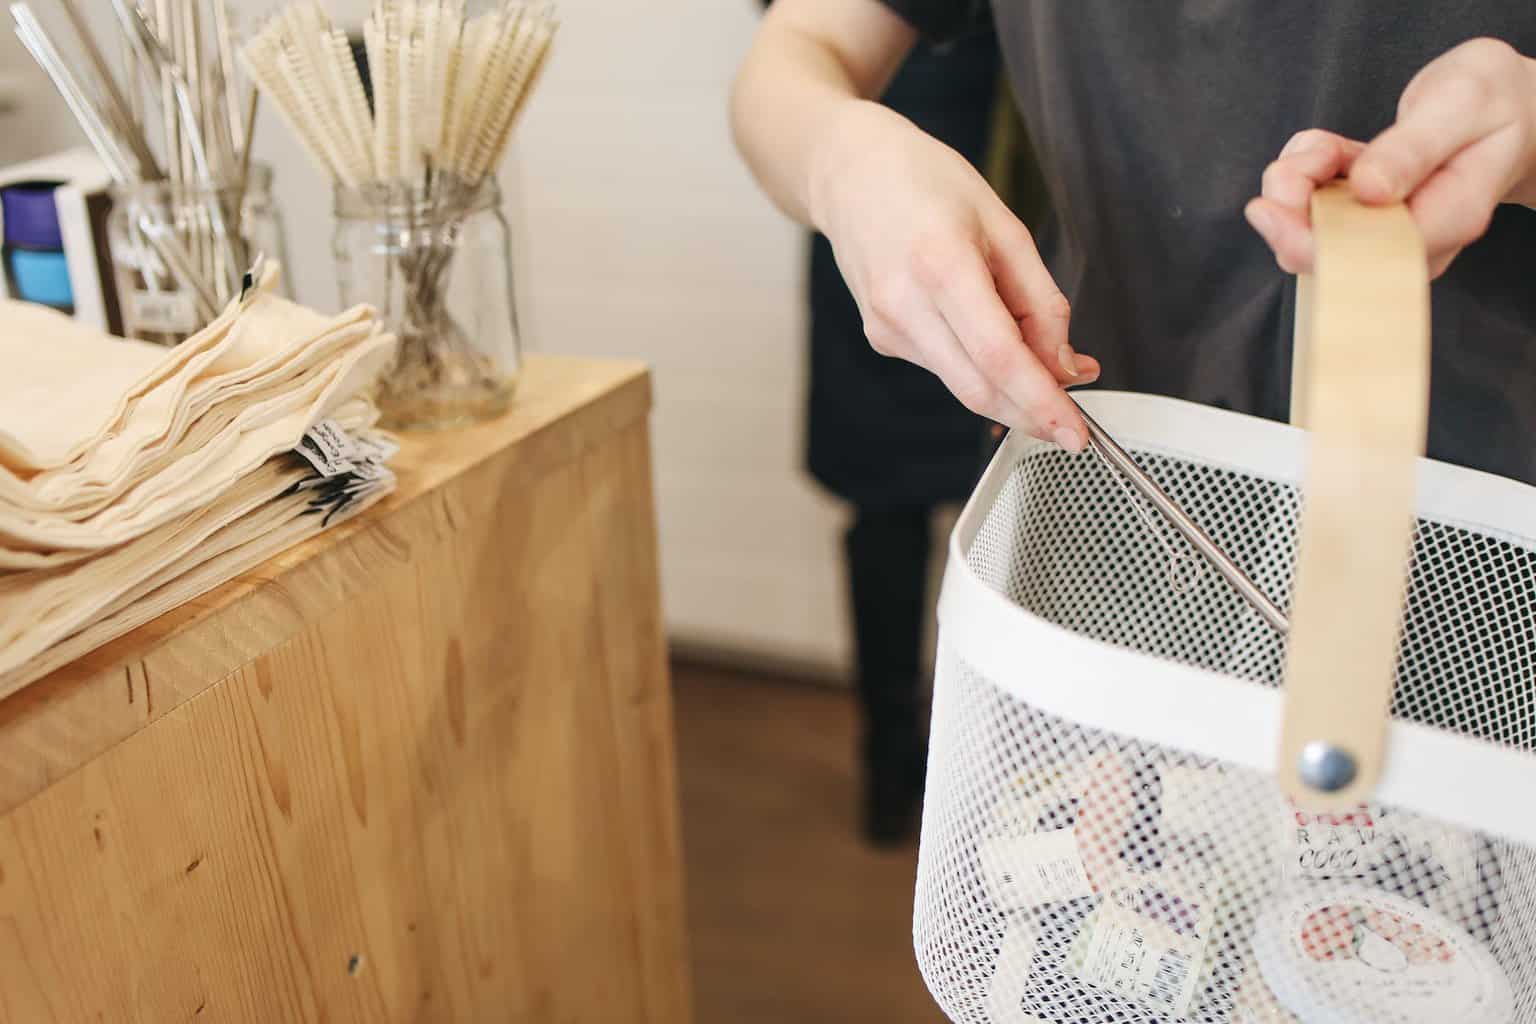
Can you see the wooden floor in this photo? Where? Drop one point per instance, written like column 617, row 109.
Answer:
column 792, row 919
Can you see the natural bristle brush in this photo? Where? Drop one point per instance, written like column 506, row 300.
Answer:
column 447, row 91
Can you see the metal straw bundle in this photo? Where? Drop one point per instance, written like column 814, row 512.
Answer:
column 446, row 89
column 179, row 90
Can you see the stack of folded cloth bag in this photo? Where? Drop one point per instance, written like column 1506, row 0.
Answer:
column 135, row 477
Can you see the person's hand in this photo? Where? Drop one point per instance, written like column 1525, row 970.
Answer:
column 1464, row 142
column 945, row 275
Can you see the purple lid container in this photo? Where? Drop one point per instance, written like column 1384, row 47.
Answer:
column 31, row 218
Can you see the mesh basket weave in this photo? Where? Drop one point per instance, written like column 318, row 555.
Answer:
column 1104, row 838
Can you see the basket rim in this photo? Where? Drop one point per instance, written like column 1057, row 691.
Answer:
column 1441, row 774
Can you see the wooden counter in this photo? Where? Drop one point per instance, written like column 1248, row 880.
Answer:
column 418, row 769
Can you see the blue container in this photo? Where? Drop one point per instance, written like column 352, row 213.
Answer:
column 31, row 216
column 40, row 277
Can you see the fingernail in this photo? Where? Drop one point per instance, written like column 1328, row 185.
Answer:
column 1068, row 439
column 1084, row 367
column 1068, row 360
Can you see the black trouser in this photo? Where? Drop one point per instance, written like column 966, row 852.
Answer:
column 888, row 549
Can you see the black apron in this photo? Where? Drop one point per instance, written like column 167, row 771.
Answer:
column 884, row 431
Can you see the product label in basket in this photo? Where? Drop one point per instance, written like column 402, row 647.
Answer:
column 1041, row 800
column 1147, row 942
column 1192, row 800
column 1006, row 996
column 1032, row 870
column 1358, row 954
column 1334, row 845
column 1395, row 850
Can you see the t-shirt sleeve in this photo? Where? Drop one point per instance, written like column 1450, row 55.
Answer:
column 939, row 21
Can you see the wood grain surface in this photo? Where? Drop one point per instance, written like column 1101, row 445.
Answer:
column 419, row 769
column 1364, row 396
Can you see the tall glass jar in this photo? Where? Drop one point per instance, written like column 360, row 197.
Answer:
column 439, row 271
column 179, row 253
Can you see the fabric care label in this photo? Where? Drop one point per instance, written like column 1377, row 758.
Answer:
column 1147, row 943
column 1032, row 870
column 1359, row 955
column 349, row 470
column 161, row 312
column 329, row 449
column 377, row 447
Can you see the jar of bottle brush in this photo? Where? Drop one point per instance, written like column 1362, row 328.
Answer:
column 438, row 268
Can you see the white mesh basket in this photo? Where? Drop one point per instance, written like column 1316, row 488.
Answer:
column 1104, row 835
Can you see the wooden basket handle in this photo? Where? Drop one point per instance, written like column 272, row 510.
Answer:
column 1361, row 387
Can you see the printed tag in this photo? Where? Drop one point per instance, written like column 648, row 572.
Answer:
column 328, row 448
column 1342, row 845
column 1147, row 942
column 1449, row 850
column 1142, row 960
column 1010, row 978
column 1042, row 800
column 378, row 447
column 1393, row 850
column 161, row 312
column 1032, row 870
column 1187, row 802
column 369, row 471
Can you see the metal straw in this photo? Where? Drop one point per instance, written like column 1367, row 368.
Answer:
column 153, row 52
column 1180, row 520
column 115, row 132
column 32, row 35
column 117, row 103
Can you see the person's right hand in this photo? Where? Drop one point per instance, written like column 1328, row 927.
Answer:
column 945, row 275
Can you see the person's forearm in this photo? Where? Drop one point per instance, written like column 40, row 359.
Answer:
column 796, row 86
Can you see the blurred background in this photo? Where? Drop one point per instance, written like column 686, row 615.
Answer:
column 639, row 235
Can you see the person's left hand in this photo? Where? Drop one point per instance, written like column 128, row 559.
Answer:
column 1464, row 142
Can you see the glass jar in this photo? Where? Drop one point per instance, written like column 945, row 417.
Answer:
column 179, row 253
column 439, row 271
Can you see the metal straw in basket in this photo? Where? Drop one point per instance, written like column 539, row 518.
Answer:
column 1119, row 460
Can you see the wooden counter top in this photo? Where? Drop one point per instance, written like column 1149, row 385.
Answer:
column 418, row 768
column 61, row 722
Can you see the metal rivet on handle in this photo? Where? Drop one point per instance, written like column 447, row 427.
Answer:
column 1327, row 768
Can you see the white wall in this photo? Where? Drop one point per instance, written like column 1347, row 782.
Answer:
column 645, row 238
column 33, row 119
column 641, row 236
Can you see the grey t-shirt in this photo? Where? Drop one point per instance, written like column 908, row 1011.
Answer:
column 1153, row 123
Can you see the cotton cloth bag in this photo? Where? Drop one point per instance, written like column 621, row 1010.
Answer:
column 133, row 477
column 180, row 429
